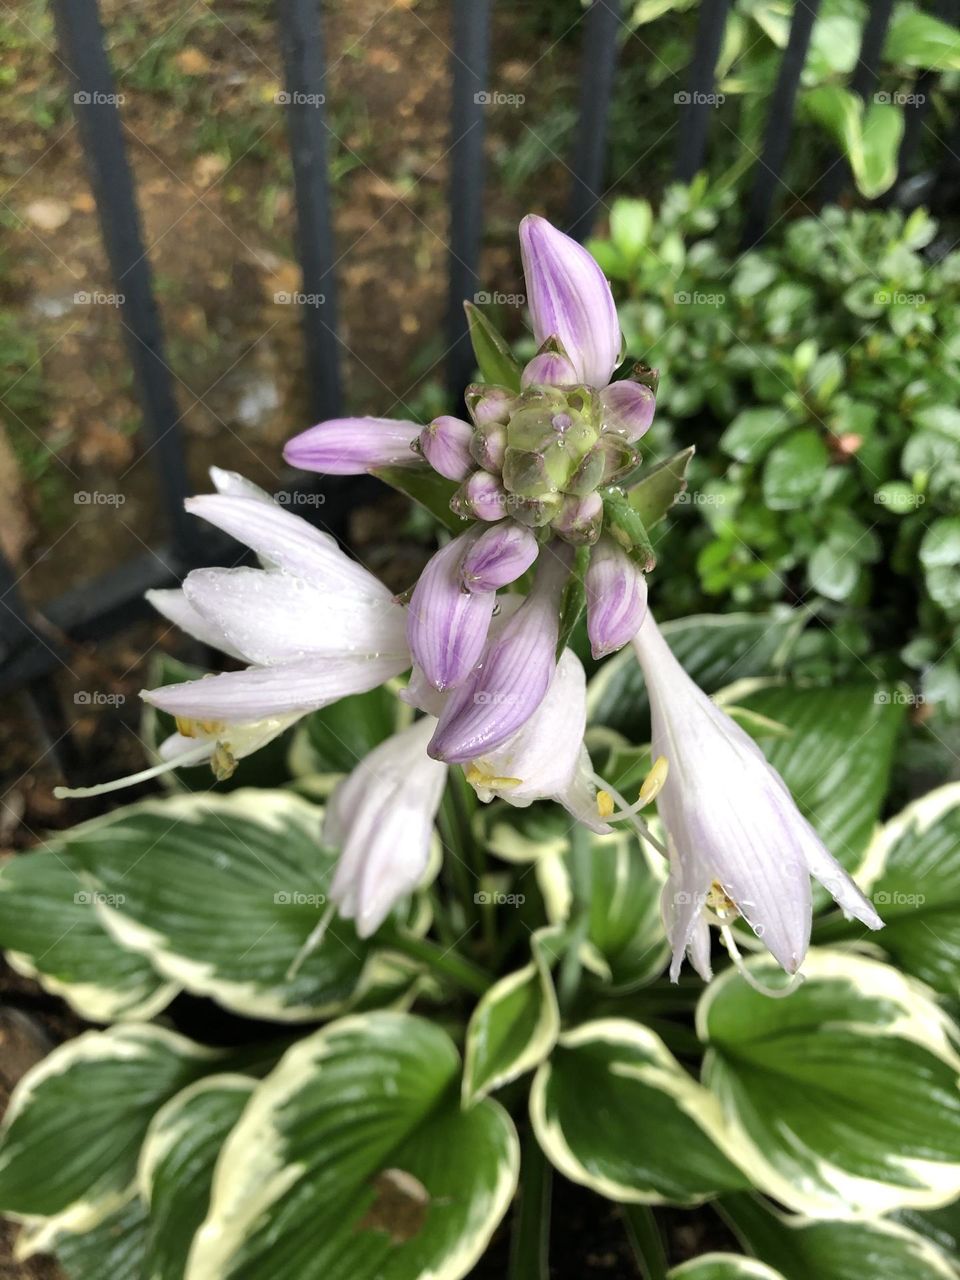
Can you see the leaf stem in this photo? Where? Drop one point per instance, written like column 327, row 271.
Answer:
column 445, row 961
column 644, row 1236
column 530, row 1237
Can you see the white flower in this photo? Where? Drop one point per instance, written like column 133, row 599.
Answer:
column 738, row 843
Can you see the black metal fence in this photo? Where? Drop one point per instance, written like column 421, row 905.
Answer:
column 31, row 645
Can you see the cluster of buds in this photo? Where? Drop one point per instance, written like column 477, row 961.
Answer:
column 545, row 455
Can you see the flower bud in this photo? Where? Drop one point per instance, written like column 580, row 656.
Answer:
column 551, row 369
column 499, row 556
column 482, row 496
column 488, row 446
column 627, row 409
column 445, row 444
column 616, row 598
column 579, row 520
column 487, row 404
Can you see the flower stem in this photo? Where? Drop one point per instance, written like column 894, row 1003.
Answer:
column 530, row 1237
column 644, row 1236
column 446, row 962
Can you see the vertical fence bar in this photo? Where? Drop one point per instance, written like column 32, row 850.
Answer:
column 862, row 82
column 696, row 103
column 95, row 107
column 776, row 138
column 303, row 49
column 470, row 61
column 596, row 90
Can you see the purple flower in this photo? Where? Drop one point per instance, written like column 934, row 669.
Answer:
column 446, row 446
column 350, row 446
column 499, row 556
column 446, row 624
column 570, row 300
column 616, row 598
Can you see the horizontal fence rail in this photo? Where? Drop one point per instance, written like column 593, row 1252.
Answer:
column 32, row 644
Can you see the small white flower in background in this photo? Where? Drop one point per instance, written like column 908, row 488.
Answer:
column 381, row 818
column 737, row 842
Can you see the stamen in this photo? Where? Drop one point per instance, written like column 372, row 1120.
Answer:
column 118, row 784
column 627, row 813
column 605, row 804
column 774, row 993
column 316, row 936
column 478, row 777
column 653, row 782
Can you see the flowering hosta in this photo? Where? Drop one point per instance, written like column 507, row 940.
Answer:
column 460, row 909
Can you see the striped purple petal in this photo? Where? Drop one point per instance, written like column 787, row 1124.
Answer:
column 351, row 446
column 514, row 675
column 446, row 446
column 628, row 409
column 570, row 299
column 616, row 598
column 549, row 369
column 446, row 625
column 499, row 556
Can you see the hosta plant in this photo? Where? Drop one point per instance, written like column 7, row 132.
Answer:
column 442, row 953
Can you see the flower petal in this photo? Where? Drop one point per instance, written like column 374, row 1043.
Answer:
column 570, row 299
column 499, row 556
column 381, row 816
column 446, row 625
column 176, row 608
column 350, row 446
column 514, row 674
column 616, row 598
column 549, row 369
column 446, row 446
column 628, row 409
column 262, row 692
column 272, row 617
column 287, row 541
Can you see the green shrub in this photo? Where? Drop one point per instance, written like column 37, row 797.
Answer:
column 818, row 374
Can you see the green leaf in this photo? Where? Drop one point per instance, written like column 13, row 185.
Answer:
column 918, row 40
column 843, row 1098
column 624, row 881
column 715, row 650
column 73, row 1130
column 51, row 931
column 427, row 488
column 794, row 470
column 659, row 487
column 912, row 872
column 940, row 557
column 615, row 1111
column 221, row 893
column 177, row 1163
column 883, row 127
column 114, row 1248
column 834, row 1250
column 837, row 758
column 514, row 1026
column 354, row 1161
column 754, row 432
column 724, row 1266
column 494, row 357
column 631, row 222
column 331, row 742
column 832, row 572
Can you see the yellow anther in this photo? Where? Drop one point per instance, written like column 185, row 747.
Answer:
column 478, row 777
column 605, row 805
column 720, row 902
column 654, row 780
column 222, row 762
column 189, row 728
